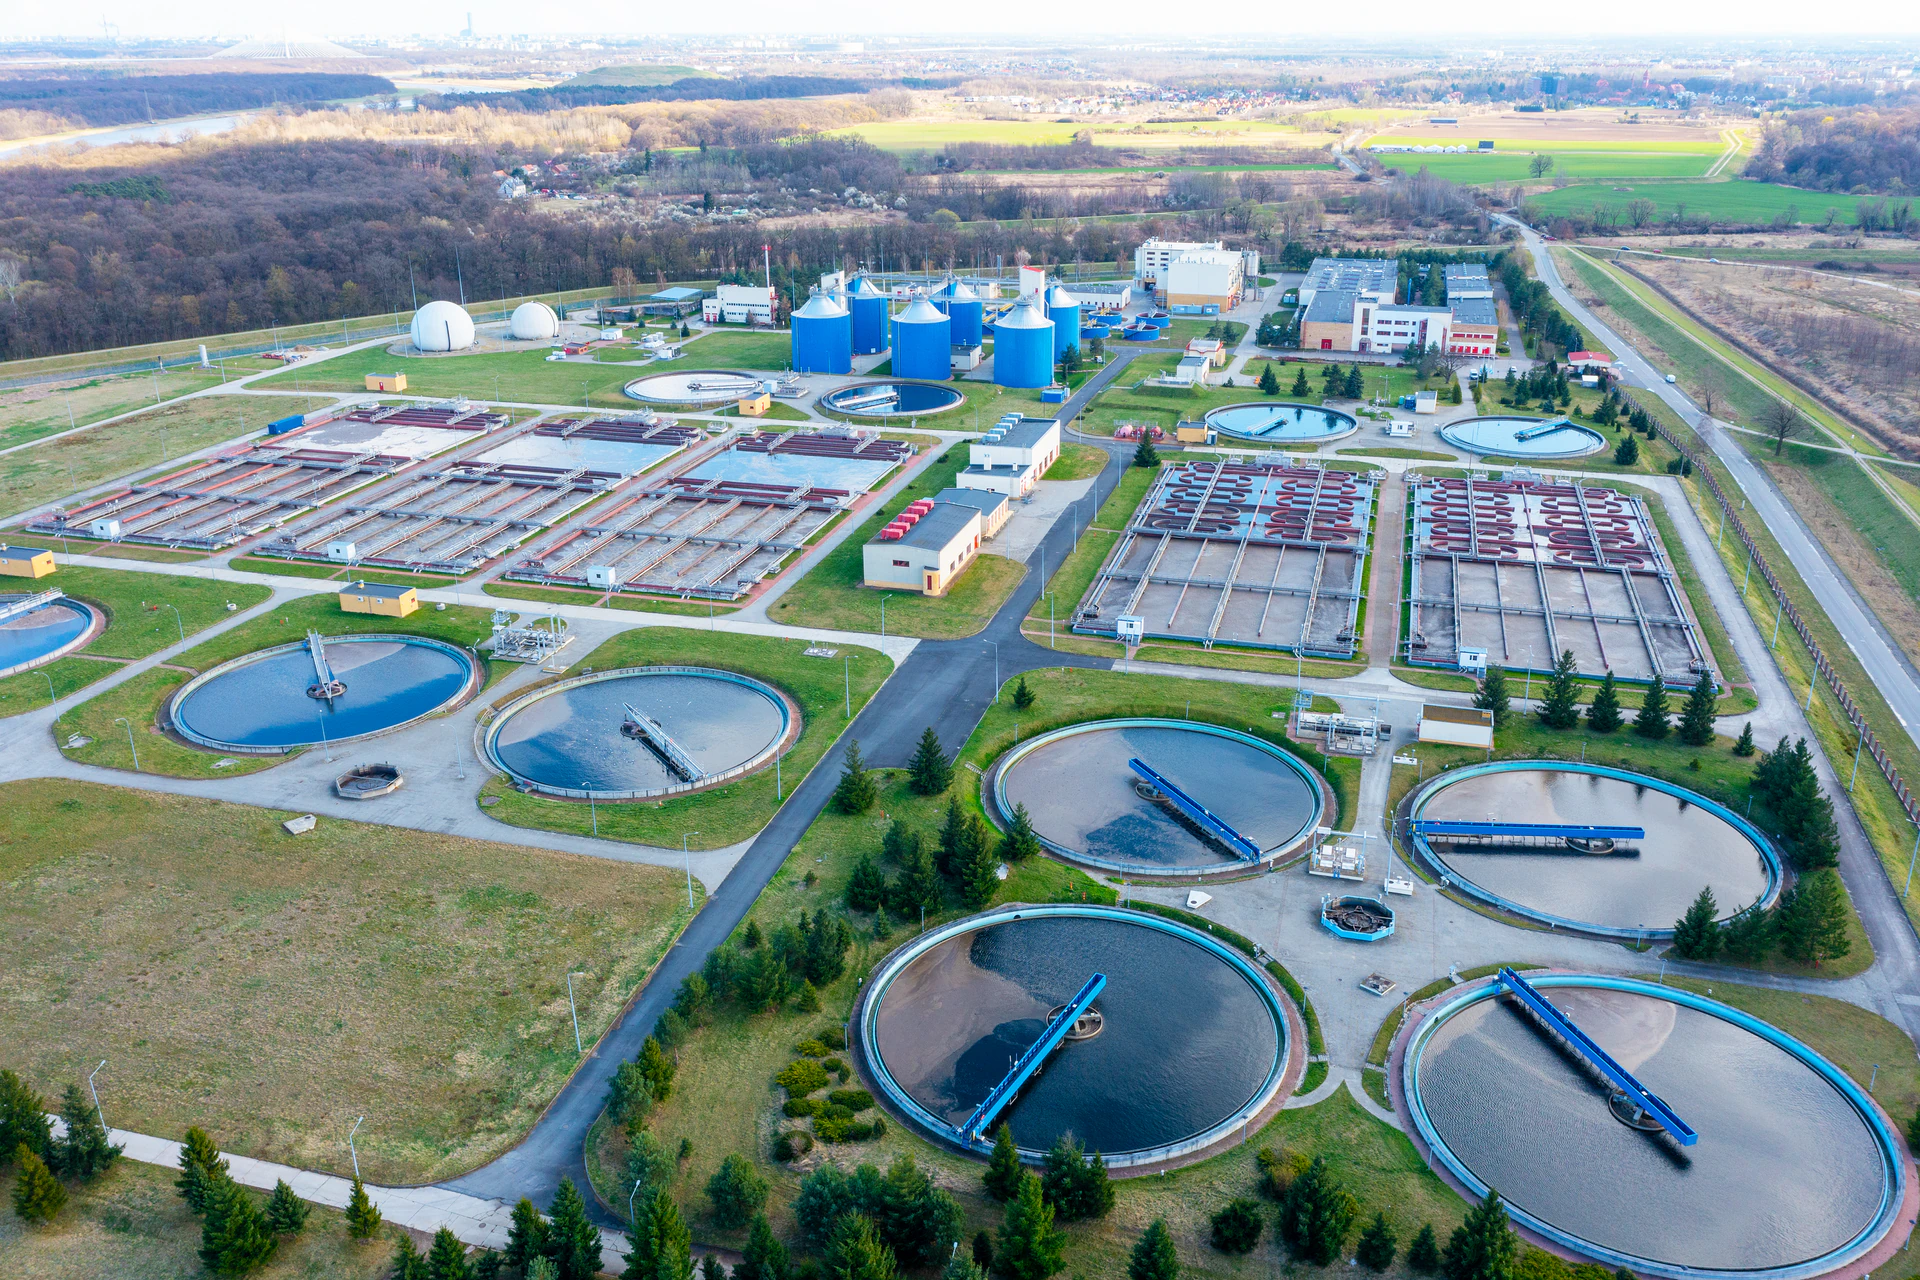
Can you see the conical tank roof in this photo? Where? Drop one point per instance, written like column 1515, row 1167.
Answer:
column 920, row 311
column 1025, row 315
column 962, row 292
column 821, row 306
column 863, row 288
column 1059, row 297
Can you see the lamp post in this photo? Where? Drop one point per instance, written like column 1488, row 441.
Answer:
column 51, row 699
column 636, row 1191
column 181, row 626
column 996, row 670
column 130, row 747
column 97, row 1113
column 574, row 1010
column 350, row 1147
column 687, row 859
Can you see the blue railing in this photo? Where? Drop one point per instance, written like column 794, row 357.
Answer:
column 1198, row 812
column 1029, row 1062
column 1602, row 1061
column 1529, row 830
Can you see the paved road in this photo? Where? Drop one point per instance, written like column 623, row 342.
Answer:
column 1885, row 664
column 947, row 684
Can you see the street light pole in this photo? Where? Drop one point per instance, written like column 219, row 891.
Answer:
column 350, row 1147
column 574, row 1010
column 97, row 1113
column 687, row 858
column 51, row 699
column 130, row 747
column 177, row 623
column 996, row 671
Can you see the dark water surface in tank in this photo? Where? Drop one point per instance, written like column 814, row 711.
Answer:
column 1685, row 847
column 1187, row 1040
column 1082, row 795
column 265, row 703
column 1785, row 1169
column 572, row 738
column 31, row 636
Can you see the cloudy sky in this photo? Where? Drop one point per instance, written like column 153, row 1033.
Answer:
column 1386, row 18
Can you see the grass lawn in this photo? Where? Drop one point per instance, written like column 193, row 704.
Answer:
column 524, row 376
column 832, row 593
column 31, row 412
column 735, row 811
column 140, row 699
column 1737, row 201
column 1590, row 146
column 311, row 569
column 417, row 979
column 739, row 349
column 1077, row 462
column 133, row 629
column 52, row 471
column 131, row 1224
column 1508, row 167
column 1891, row 533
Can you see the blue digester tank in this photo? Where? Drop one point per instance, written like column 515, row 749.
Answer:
column 1023, row 347
column 922, row 345
column 1064, row 310
column 822, row 336
column 869, row 308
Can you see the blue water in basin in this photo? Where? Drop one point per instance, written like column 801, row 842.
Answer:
column 1502, row 436
column 32, row 636
column 1279, row 421
column 265, row 704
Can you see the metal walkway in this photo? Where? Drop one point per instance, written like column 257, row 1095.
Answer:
column 1524, row 830
column 1029, row 1062
column 656, row 736
column 1197, row 812
column 14, row 608
column 1618, row 1076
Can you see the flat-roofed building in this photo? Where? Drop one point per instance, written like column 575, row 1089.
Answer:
column 1017, row 439
column 1456, row 726
column 1203, row 278
column 1327, row 323
column 739, row 304
column 379, row 598
column 1403, row 327
column 25, row 562
column 1467, row 280
column 1373, row 279
column 1105, row 297
column 1476, row 328
column 1151, row 260
column 995, row 508
column 928, row 556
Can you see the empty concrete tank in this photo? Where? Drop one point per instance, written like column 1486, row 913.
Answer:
column 869, row 308
column 966, row 309
column 1064, row 310
column 922, row 342
column 822, row 336
column 1023, row 347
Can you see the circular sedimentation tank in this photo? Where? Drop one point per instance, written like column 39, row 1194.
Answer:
column 1191, row 1042
column 260, row 703
column 42, row 634
column 1088, row 804
column 891, row 399
column 694, row 387
column 579, row 738
column 1283, row 421
column 1795, row 1172
column 1638, row 890
column 1523, row 437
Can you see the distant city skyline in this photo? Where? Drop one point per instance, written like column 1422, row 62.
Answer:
column 1873, row 22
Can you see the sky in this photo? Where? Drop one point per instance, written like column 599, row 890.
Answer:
column 1874, row 19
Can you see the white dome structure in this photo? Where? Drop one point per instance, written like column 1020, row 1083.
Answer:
column 442, row 326
column 534, row 322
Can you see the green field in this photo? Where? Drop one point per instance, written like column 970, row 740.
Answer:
column 523, row 376
column 1704, row 147
column 930, row 135
column 636, row 77
column 1735, row 201
column 1506, row 167
column 32, row 412
column 731, row 349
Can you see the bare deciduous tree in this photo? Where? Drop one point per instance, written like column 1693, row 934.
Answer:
column 1782, row 420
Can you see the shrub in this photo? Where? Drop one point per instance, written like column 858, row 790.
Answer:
column 811, row 1049
column 1236, row 1228
column 792, row 1144
column 852, row 1099
column 833, row 1038
column 802, row 1077
column 799, row 1108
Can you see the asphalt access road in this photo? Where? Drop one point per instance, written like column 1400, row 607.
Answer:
column 944, row 683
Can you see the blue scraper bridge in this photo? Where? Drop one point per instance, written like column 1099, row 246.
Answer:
column 1196, row 812
column 1525, row 834
column 1643, row 1100
column 1029, row 1062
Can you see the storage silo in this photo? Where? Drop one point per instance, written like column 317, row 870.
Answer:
column 1023, row 347
column 968, row 313
column 869, row 308
column 822, row 336
column 922, row 342
column 1064, row 310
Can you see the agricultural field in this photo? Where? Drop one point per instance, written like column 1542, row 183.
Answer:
column 931, row 135
column 1507, row 167
column 418, row 981
column 1554, row 145
column 1735, row 201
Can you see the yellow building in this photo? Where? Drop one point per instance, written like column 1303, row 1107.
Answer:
column 377, row 597
column 386, row 382
column 25, row 562
column 756, row 406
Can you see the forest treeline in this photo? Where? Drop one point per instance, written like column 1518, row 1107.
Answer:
column 705, row 88
column 254, row 235
column 1864, row 150
column 112, row 99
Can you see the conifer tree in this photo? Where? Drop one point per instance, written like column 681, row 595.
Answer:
column 1560, row 708
column 1318, row 1215
column 1749, row 936
column 866, row 885
column 1300, row 387
column 407, row 1262
column 1378, row 1244
column 23, row 1120
column 526, row 1237
column 1423, row 1255
column 37, row 1194
column 447, row 1259
column 1356, row 386
column 736, row 1189
column 1236, row 1227
column 1023, row 695
column 930, row 772
column 1483, row 1247
column 286, row 1212
column 1030, row 1247
column 711, row 1268
column 1813, row 919
column 962, row 1267
column 882, row 925
column 1153, row 1256
column 1003, row 1166
column 856, row 1251
column 363, row 1217
column 1145, row 455
column 573, row 1242
column 1603, row 716
column 1269, row 381
column 1651, row 720
column 1696, row 717
column 662, row 1245
column 765, row 1258
column 1696, row 936
column 1627, row 452
column 978, row 878
column 234, row 1235
column 917, row 888
column 1492, row 696
column 656, row 1067
column 1743, row 745
column 1333, row 379
column 855, row 792
column 1020, row 841
column 199, row 1163
column 85, row 1151
column 952, row 832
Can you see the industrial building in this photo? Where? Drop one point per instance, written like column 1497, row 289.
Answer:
column 1475, row 330
column 1204, row 281
column 1523, row 570
column 995, row 508
column 1467, row 280
column 1339, row 320
column 533, row 322
column 1265, row 554
column 1151, row 260
column 924, row 550
column 1104, row 298
column 378, row 598
column 25, row 562
column 1373, row 279
column 739, row 304
column 1012, row 457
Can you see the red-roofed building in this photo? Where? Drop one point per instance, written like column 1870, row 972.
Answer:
column 1598, row 359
